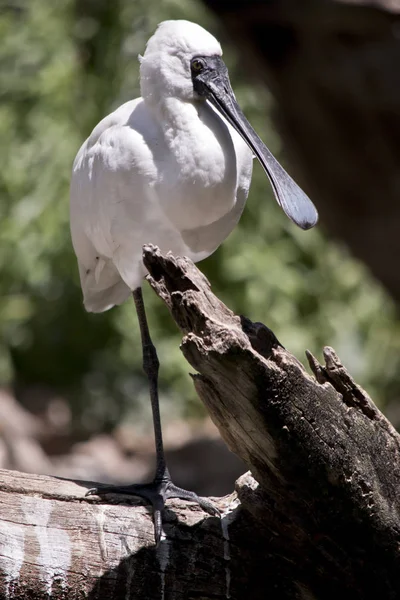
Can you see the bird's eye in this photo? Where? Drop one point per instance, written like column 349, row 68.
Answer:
column 198, row 65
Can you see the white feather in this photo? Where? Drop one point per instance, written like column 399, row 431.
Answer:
column 163, row 169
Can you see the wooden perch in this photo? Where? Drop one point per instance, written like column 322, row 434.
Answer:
column 319, row 520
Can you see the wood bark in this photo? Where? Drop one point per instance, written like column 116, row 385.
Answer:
column 333, row 69
column 317, row 518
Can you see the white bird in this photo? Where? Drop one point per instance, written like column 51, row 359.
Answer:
column 171, row 168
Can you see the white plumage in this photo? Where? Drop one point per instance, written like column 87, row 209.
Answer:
column 165, row 169
column 172, row 168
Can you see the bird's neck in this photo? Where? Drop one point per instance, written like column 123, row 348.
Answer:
column 200, row 165
column 175, row 116
column 192, row 129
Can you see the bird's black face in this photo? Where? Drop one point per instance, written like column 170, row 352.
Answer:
column 211, row 80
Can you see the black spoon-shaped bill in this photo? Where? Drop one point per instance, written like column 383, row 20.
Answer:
column 213, row 83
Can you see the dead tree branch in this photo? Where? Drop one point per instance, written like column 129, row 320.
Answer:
column 319, row 518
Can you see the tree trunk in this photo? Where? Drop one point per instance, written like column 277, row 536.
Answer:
column 333, row 69
column 318, row 518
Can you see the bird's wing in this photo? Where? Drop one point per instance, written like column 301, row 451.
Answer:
column 111, row 172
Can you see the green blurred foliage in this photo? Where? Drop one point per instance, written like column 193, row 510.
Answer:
column 63, row 66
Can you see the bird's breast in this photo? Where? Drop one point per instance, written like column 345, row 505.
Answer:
column 199, row 179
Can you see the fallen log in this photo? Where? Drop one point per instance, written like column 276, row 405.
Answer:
column 317, row 518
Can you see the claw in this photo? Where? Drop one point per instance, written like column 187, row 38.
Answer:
column 209, row 507
column 158, row 528
column 156, row 493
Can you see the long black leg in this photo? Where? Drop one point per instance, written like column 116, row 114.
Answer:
column 151, row 366
column 161, row 488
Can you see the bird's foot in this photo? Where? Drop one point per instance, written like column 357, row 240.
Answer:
column 156, row 493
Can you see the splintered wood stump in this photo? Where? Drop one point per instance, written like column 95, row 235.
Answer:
column 317, row 517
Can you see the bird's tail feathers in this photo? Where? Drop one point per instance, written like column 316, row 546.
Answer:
column 102, row 292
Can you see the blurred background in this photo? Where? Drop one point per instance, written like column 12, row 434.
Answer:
column 73, row 399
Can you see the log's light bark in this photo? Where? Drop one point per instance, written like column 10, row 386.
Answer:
column 332, row 68
column 318, row 518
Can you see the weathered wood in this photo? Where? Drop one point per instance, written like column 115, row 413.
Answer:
column 332, row 68
column 326, row 459
column 56, row 543
column 319, row 520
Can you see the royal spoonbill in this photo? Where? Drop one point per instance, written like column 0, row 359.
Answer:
column 171, row 168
